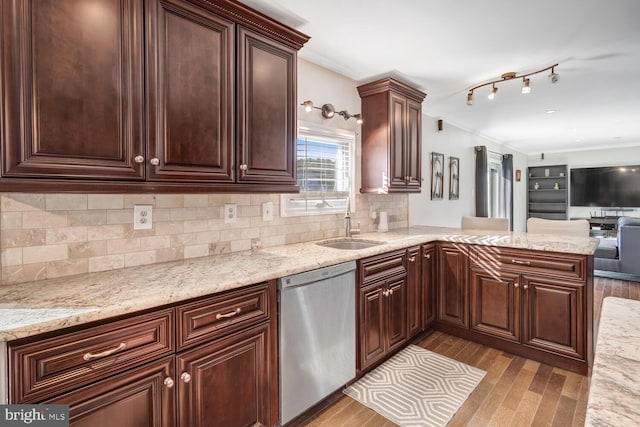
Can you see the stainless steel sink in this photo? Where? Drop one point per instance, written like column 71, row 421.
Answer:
column 349, row 244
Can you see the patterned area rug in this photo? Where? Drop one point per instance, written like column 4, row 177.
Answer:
column 417, row 387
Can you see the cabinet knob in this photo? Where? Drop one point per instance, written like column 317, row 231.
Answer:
column 138, row 159
column 155, row 161
column 168, row 382
column 412, row 259
column 525, row 287
column 385, row 292
column 427, row 256
column 243, row 167
column 185, row 377
column 515, row 285
column 390, row 291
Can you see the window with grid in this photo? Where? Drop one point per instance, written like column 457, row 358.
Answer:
column 325, row 172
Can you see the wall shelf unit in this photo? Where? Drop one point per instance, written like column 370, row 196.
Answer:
column 547, row 192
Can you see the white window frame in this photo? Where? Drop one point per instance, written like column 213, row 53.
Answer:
column 320, row 203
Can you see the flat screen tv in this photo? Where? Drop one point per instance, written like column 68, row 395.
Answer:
column 613, row 186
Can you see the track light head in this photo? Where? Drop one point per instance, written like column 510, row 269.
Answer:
column 526, row 85
column 470, row 98
column 308, row 106
column 358, row 118
column 493, row 92
column 328, row 111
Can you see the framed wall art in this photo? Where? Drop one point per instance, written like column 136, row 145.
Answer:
column 437, row 176
column 454, row 178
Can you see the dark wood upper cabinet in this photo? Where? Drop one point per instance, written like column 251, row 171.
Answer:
column 266, row 109
column 132, row 96
column 73, row 89
column 190, row 83
column 391, row 137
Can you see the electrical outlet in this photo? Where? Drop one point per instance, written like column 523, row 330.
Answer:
column 230, row 213
column 142, row 217
column 267, row 211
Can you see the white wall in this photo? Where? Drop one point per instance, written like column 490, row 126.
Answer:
column 591, row 158
column 456, row 142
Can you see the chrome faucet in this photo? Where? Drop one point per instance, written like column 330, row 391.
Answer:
column 347, row 216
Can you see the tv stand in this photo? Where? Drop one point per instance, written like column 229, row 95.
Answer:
column 604, row 226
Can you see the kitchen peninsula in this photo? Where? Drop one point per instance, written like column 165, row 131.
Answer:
column 490, row 286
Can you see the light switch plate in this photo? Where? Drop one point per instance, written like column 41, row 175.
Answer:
column 267, row 211
column 142, row 217
column 230, row 213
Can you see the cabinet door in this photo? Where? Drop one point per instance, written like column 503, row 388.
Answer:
column 428, row 266
column 226, row 383
column 495, row 303
column 396, row 312
column 397, row 140
column 372, row 332
column 266, row 110
column 414, row 292
column 413, row 145
column 138, row 397
column 73, row 84
column 553, row 316
column 190, row 72
column 453, row 295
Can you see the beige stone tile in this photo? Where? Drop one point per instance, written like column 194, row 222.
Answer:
column 169, row 201
column 249, row 233
column 11, row 256
column 155, row 242
column 107, row 232
column 219, row 248
column 292, row 238
column 67, row 267
column 140, row 233
column 66, row 202
column 87, row 249
column 44, row 219
column 241, row 245
column 120, row 246
column 172, row 227
column 120, row 216
column 183, row 214
column 216, row 224
column 196, row 200
column 66, row 235
column 139, row 258
column 161, row 215
column 107, row 262
column 196, row 251
column 208, row 213
column 249, row 211
column 229, row 235
column 36, row 254
column 272, row 241
column 207, row 237
column 194, row 226
column 22, row 238
column 95, row 217
column 130, row 200
column 178, row 240
column 169, row 254
column 240, row 199
column 105, row 201
column 23, row 273
column 11, row 220
column 259, row 199
column 219, row 199
column 20, row 202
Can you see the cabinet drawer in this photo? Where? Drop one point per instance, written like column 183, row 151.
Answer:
column 51, row 366
column 380, row 266
column 524, row 261
column 222, row 314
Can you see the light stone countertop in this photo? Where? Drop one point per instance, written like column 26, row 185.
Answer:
column 31, row 308
column 614, row 389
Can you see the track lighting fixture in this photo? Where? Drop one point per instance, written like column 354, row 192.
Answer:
column 526, row 83
column 329, row 111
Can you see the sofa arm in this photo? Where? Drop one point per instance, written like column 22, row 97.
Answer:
column 629, row 249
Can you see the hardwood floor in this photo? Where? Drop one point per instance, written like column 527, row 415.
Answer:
column 515, row 391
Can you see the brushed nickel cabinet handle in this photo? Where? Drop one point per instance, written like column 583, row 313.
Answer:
column 185, row 377
column 515, row 261
column 412, row 259
column 243, row 167
column 229, row 314
column 90, row 356
column 138, row 159
column 168, row 382
column 155, row 161
column 427, row 256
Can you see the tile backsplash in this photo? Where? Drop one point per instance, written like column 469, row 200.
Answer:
column 53, row 235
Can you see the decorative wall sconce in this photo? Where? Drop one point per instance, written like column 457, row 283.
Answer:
column 526, row 83
column 329, row 111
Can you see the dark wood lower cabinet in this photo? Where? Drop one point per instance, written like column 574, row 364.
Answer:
column 428, row 278
column 396, row 313
column 138, row 397
column 226, row 382
column 453, row 294
column 495, row 303
column 414, row 292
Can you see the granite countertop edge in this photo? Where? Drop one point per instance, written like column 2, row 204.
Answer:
column 32, row 308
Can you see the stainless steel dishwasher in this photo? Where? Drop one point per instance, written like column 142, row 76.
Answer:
column 316, row 335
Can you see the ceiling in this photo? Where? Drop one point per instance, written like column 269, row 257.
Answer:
column 446, row 47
